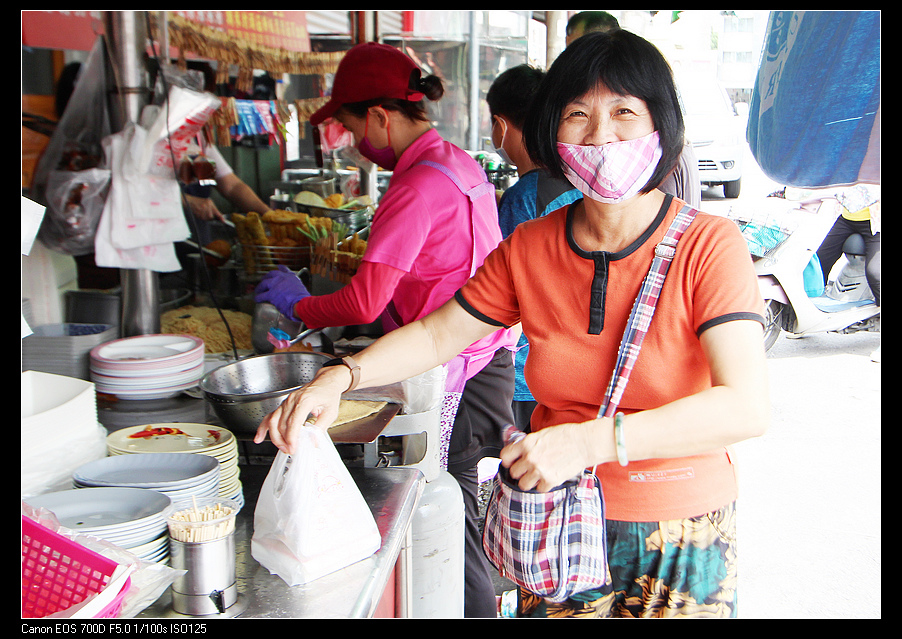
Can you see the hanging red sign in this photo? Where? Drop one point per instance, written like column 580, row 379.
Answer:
column 77, row 30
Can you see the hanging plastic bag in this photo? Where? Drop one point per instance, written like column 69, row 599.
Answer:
column 75, row 202
column 177, row 124
column 142, row 216
column 311, row 519
column 148, row 207
column 70, row 177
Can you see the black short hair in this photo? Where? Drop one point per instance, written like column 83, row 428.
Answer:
column 626, row 64
column 511, row 93
column 592, row 21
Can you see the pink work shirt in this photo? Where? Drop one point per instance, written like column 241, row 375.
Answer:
column 424, row 227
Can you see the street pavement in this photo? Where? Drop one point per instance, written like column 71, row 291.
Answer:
column 809, row 508
column 809, row 494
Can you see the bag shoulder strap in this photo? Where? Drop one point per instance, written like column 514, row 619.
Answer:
column 643, row 310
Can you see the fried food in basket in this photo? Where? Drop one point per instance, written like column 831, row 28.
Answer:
column 283, row 237
column 240, row 222
column 280, row 216
column 285, row 225
column 255, row 229
column 353, row 245
column 335, row 200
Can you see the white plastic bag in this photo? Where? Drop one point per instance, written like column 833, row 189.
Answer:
column 142, row 216
column 311, row 519
column 175, row 126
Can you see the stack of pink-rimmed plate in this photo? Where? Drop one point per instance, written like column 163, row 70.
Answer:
column 147, row 366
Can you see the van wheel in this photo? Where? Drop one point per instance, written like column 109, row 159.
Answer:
column 731, row 189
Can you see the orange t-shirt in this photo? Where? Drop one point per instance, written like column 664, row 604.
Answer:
column 574, row 305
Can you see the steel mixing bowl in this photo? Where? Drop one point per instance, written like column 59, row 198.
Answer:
column 244, row 392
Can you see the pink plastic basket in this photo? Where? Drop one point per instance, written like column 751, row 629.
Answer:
column 58, row 573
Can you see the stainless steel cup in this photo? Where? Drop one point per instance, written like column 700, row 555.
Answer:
column 209, row 587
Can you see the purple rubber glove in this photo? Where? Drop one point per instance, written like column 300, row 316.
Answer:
column 282, row 289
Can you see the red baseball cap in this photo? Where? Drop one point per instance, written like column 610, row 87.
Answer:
column 367, row 72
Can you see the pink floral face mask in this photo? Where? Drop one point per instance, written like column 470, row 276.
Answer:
column 611, row 172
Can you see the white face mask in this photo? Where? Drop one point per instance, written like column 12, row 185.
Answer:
column 611, row 172
column 500, row 148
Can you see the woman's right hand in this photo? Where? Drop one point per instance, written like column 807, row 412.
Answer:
column 316, row 402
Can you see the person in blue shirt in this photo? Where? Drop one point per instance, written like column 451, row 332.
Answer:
column 533, row 195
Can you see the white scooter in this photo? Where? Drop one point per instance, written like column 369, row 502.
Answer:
column 846, row 304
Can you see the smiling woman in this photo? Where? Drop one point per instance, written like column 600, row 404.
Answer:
column 608, row 144
column 699, row 384
column 629, row 69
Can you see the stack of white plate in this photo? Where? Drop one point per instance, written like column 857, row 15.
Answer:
column 181, row 476
column 132, row 518
column 64, row 349
column 60, row 431
column 182, row 437
column 148, row 366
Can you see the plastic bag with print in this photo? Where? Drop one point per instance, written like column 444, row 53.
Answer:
column 311, row 519
column 177, row 124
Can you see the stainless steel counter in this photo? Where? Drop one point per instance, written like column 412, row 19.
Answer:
column 352, row 592
column 392, row 493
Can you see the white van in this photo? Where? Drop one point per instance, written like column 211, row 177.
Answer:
column 716, row 132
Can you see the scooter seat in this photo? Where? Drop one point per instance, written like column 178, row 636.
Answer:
column 830, row 305
column 854, row 245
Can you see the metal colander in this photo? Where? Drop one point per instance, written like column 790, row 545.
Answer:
column 244, row 392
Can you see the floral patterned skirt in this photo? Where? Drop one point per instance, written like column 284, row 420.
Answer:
column 677, row 568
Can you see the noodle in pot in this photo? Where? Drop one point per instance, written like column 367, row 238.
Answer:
column 205, row 323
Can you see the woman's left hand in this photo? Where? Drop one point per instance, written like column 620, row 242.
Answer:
column 283, row 289
column 549, row 457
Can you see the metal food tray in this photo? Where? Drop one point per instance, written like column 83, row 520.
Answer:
column 266, row 258
column 355, row 219
column 365, row 430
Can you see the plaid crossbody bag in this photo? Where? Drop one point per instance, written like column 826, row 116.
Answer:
column 553, row 543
